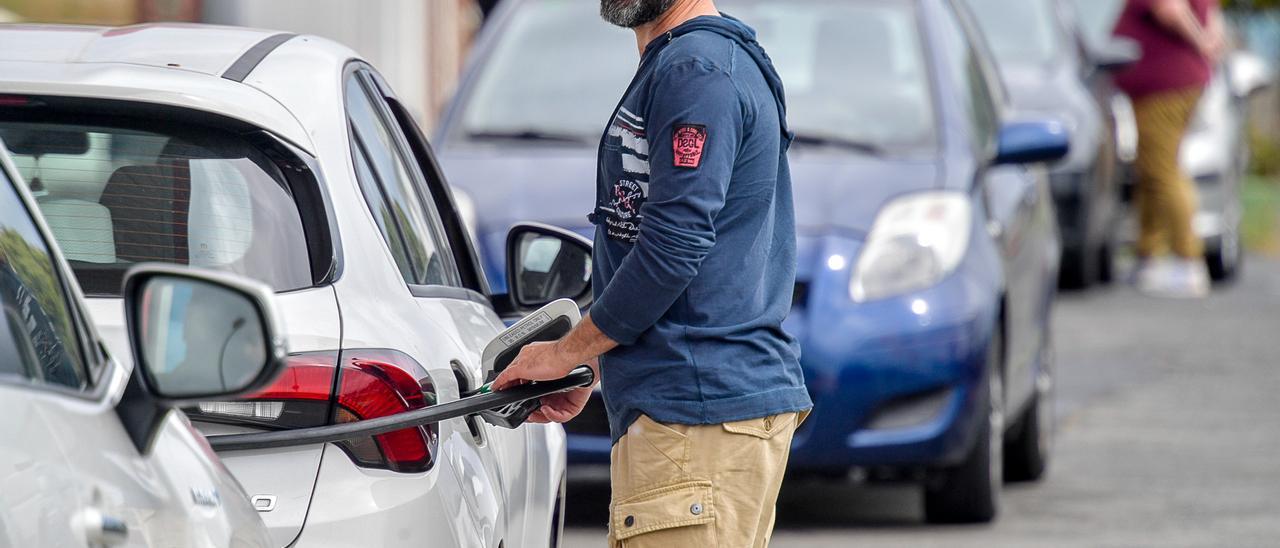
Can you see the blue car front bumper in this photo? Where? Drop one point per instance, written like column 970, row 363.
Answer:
column 896, row 382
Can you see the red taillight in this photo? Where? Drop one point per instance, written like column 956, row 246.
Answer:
column 16, row 101
column 304, row 378
column 300, row 398
column 378, row 383
column 369, row 384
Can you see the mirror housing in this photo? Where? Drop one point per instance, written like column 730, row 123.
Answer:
column 546, row 264
column 1247, row 73
column 195, row 335
column 1115, row 53
column 1032, row 142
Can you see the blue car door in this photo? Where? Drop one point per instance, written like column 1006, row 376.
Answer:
column 1015, row 197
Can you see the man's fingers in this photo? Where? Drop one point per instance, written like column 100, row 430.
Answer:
column 538, row 417
column 508, row 377
column 559, row 409
column 556, row 415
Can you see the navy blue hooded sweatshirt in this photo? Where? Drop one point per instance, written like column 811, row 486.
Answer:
column 695, row 245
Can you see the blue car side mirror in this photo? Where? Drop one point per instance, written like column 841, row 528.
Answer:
column 1032, row 142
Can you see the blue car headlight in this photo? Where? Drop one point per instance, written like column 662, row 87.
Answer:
column 916, row 240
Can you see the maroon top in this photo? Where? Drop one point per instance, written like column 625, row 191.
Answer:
column 1168, row 62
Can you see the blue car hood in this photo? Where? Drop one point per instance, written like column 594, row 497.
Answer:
column 843, row 192
column 553, row 185
column 836, row 193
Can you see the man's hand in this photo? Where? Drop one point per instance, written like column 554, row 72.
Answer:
column 539, row 361
column 561, row 407
column 544, row 362
column 565, row 406
column 547, row 361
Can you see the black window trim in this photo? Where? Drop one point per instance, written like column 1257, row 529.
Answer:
column 440, row 222
column 465, row 256
column 360, row 152
column 377, row 89
column 448, row 292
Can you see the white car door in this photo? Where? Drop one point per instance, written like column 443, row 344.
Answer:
column 443, row 305
column 526, row 464
column 52, row 407
column 70, row 474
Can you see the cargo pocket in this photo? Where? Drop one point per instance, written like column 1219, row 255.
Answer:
column 680, row 514
column 650, row 454
column 763, row 427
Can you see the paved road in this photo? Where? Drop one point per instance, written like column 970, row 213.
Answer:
column 1169, row 435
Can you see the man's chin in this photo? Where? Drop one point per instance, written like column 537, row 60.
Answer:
column 633, row 13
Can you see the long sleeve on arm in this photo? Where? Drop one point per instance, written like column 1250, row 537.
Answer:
column 696, row 122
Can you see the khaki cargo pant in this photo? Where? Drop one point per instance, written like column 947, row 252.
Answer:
column 698, row 486
column 1166, row 199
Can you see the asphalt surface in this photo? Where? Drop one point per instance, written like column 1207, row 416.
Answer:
column 1168, row 435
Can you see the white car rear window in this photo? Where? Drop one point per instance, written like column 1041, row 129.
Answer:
column 116, row 196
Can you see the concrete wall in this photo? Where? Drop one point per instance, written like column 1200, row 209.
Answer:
column 417, row 45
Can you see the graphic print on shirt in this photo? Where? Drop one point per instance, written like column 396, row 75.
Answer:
column 687, row 141
column 629, row 192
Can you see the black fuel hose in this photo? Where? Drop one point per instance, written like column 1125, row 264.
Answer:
column 470, row 405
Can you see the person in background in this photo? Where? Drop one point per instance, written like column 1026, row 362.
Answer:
column 1181, row 41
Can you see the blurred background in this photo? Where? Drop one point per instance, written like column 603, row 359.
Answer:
column 421, row 47
column 1168, row 420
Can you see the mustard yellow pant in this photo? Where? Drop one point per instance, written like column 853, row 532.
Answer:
column 1165, row 198
column 698, row 486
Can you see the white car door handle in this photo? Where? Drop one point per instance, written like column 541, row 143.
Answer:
column 100, row 529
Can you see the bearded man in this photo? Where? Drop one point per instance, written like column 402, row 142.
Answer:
column 694, row 268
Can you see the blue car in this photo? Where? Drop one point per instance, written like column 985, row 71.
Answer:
column 928, row 244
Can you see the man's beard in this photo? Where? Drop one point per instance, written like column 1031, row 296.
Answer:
column 633, row 13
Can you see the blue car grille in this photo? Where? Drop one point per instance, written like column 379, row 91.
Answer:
column 800, row 295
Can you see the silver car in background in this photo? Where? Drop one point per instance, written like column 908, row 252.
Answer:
column 92, row 455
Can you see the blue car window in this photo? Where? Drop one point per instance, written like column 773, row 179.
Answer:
column 961, row 59
column 38, row 339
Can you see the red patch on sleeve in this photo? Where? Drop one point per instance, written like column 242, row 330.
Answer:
column 688, row 141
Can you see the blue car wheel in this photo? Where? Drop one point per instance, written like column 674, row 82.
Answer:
column 1027, row 451
column 970, row 491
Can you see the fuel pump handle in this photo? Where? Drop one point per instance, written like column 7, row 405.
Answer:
column 490, row 405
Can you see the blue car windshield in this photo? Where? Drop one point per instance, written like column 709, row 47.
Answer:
column 854, row 72
column 1021, row 32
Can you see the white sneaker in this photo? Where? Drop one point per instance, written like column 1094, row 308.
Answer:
column 1149, row 272
column 1176, row 278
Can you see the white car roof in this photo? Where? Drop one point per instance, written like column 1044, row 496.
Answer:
column 176, row 64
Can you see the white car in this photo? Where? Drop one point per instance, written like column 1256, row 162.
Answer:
column 288, row 159
column 92, row 456
column 1215, row 154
